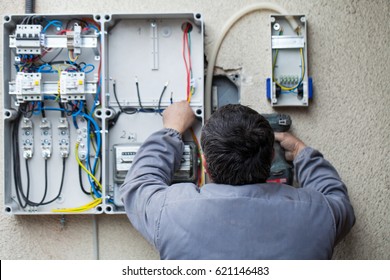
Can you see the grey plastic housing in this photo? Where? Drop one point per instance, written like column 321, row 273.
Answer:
column 287, row 62
column 146, row 48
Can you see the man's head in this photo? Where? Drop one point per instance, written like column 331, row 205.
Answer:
column 237, row 143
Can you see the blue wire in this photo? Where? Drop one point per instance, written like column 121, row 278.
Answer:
column 87, row 65
column 98, row 144
column 81, row 106
column 42, row 69
column 94, row 27
column 50, row 97
column 55, row 23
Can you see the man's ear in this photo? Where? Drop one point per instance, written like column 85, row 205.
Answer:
column 204, row 163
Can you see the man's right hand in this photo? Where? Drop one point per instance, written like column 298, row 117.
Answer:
column 290, row 143
column 178, row 116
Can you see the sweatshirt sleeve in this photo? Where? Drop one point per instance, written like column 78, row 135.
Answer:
column 316, row 173
column 144, row 189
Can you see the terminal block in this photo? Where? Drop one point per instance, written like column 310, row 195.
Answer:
column 74, row 39
column 46, row 138
column 63, row 128
column 27, row 39
column 72, row 86
column 28, row 87
column 27, row 138
column 82, row 134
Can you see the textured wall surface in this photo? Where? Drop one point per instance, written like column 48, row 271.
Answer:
column 349, row 58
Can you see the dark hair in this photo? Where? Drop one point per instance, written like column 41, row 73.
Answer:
column 237, row 143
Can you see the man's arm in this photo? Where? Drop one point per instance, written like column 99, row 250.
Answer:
column 313, row 171
column 144, row 190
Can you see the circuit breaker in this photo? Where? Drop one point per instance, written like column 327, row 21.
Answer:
column 81, row 94
column 289, row 84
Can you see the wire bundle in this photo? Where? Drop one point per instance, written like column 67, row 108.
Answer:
column 187, row 60
column 190, row 90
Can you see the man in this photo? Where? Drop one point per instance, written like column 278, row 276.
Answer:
column 238, row 215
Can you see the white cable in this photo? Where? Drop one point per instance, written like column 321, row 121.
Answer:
column 213, row 56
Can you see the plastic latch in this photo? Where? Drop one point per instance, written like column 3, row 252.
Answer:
column 310, row 88
column 268, row 88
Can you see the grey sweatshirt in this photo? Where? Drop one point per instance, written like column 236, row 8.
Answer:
column 259, row 221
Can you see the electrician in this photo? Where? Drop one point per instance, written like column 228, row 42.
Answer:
column 238, row 215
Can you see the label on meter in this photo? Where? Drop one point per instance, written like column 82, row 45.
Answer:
column 124, row 157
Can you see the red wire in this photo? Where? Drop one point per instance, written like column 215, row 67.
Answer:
column 91, row 21
column 184, row 57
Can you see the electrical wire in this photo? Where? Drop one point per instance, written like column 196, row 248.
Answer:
column 82, row 208
column 228, row 25
column 187, row 64
column 17, row 177
column 126, row 110
column 55, row 23
column 98, row 144
column 147, row 110
column 16, row 164
column 81, row 183
column 161, row 96
column 86, row 170
column 302, row 76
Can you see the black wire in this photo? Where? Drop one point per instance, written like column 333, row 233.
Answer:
column 62, row 107
column 81, row 182
column 126, row 110
column 61, row 185
column 32, row 203
column 23, row 108
column 139, row 96
column 43, row 110
column 147, row 110
column 16, row 161
column 159, row 101
column 45, row 193
column 51, row 60
column 17, row 174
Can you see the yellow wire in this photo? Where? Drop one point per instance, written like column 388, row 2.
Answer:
column 94, row 148
column 89, row 205
column 72, row 59
column 82, row 208
column 84, row 168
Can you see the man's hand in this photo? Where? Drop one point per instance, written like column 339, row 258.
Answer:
column 290, row 143
column 178, row 116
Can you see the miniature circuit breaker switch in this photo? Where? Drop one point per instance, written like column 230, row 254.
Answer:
column 289, row 84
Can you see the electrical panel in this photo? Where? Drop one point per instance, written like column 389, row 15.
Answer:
column 81, row 93
column 289, row 84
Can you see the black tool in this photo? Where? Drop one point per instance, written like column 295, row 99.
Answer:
column 281, row 170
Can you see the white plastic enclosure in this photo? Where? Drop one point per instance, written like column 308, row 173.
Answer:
column 289, row 84
column 59, row 77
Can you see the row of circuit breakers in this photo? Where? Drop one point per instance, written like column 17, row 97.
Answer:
column 83, row 92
